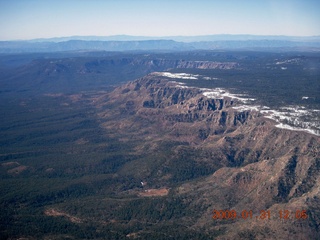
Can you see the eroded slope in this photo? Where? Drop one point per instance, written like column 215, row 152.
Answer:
column 249, row 163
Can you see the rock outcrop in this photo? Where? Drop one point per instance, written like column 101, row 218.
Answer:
column 159, row 64
column 249, row 163
column 177, row 104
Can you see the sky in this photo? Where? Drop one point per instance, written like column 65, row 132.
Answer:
column 31, row 19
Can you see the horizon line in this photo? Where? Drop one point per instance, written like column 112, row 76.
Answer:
column 161, row 37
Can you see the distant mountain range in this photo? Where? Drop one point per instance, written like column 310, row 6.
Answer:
column 203, row 38
column 175, row 43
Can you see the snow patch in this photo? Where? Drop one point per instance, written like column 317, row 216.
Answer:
column 179, row 75
column 296, row 118
column 247, row 108
column 294, row 60
column 210, row 78
column 179, row 84
column 219, row 93
column 185, row 76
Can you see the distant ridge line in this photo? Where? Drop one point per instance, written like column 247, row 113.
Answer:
column 203, row 38
column 136, row 43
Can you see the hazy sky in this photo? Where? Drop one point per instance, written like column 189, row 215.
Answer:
column 28, row 19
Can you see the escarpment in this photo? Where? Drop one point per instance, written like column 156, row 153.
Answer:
column 244, row 161
column 159, row 63
column 176, row 103
column 192, row 64
column 167, row 110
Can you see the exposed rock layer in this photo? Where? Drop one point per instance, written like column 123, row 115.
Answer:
column 254, row 165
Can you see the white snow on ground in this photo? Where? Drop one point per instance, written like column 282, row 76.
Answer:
column 292, row 117
column 285, row 126
column 184, row 76
column 179, row 84
column 247, row 108
column 296, row 118
column 222, row 93
column 179, row 75
column 210, row 78
column 294, row 60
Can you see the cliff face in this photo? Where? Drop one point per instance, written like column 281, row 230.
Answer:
column 177, row 103
column 185, row 114
column 85, row 73
column 249, row 163
column 188, row 64
column 159, row 64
